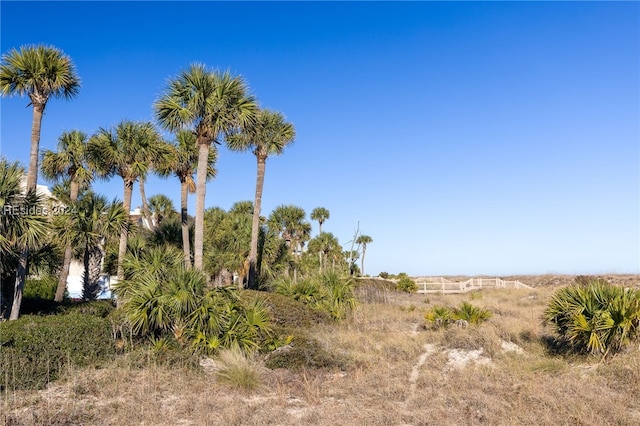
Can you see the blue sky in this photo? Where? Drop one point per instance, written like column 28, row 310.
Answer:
column 465, row 138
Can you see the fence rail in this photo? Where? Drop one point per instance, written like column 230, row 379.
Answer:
column 429, row 285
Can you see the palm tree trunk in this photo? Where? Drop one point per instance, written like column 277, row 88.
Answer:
column 364, row 250
column 122, row 248
column 32, row 181
column 184, row 193
column 255, row 223
column 36, row 123
column 68, row 252
column 201, row 191
column 86, row 279
column 92, row 269
column 146, row 214
column 21, row 276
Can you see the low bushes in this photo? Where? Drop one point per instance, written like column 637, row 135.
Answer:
column 163, row 299
column 35, row 350
column 304, row 352
column 286, row 312
column 593, row 316
column 463, row 315
column 328, row 292
column 406, row 284
column 42, row 288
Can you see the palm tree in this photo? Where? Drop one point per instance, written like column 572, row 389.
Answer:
column 39, row 72
column 363, row 240
column 268, row 135
column 158, row 153
column 22, row 226
column 320, row 214
column 227, row 240
column 87, row 226
column 351, row 256
column 288, row 221
column 326, row 245
column 160, row 207
column 183, row 164
column 122, row 151
column 212, row 105
column 69, row 161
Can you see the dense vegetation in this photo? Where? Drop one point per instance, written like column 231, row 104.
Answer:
column 36, row 350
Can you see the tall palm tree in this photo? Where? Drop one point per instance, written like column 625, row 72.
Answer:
column 39, row 72
column 69, row 161
column 21, row 225
column 363, row 240
column 320, row 214
column 183, row 164
column 121, row 151
column 268, row 135
column 212, row 105
column 87, row 226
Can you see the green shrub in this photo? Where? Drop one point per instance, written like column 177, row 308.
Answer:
column 406, row 284
column 35, row 350
column 96, row 308
column 439, row 316
column 38, row 296
column 41, row 288
column 594, row 316
column 286, row 312
column 164, row 298
column 472, row 314
column 341, row 294
column 384, row 275
column 328, row 291
column 442, row 316
column 304, row 352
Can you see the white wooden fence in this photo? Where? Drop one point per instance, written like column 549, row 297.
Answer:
column 429, row 285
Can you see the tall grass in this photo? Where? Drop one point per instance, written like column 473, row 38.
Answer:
column 238, row 370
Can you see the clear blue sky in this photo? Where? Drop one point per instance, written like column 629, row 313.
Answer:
column 465, row 138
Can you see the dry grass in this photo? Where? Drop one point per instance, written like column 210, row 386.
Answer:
column 400, row 373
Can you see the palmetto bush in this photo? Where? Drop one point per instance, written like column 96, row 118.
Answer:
column 406, row 284
column 163, row 298
column 341, row 292
column 328, row 291
column 470, row 313
column 594, row 316
column 441, row 316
